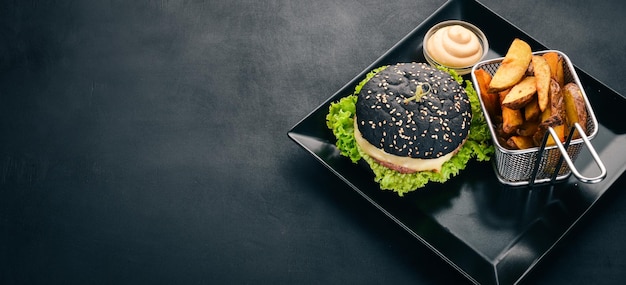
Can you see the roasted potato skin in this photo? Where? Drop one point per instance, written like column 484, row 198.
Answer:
column 521, row 93
column 557, row 105
column 575, row 107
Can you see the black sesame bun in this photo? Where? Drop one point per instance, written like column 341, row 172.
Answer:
column 412, row 110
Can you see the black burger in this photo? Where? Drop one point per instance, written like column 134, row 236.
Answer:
column 412, row 117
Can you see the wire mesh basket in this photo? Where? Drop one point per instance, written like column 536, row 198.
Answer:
column 544, row 163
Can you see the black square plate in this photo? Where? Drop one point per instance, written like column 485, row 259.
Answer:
column 491, row 233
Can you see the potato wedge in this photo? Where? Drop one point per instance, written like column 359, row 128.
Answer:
column 542, row 74
column 511, row 119
column 532, row 111
column 513, row 66
column 560, row 132
column 552, row 58
column 528, row 128
column 522, row 93
column 520, row 142
column 559, row 77
column 575, row 109
column 556, row 66
column 490, row 100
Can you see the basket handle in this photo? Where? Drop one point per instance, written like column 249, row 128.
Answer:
column 569, row 161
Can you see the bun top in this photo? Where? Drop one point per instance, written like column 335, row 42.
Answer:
column 413, row 110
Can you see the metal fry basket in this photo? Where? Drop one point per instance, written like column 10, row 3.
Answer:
column 544, row 163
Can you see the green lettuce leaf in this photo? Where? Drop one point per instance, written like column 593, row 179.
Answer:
column 340, row 119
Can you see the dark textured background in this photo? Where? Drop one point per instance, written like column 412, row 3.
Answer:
column 145, row 142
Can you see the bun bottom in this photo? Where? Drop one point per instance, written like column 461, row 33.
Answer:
column 401, row 164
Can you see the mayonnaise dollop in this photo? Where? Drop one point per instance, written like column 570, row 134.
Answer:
column 454, row 46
